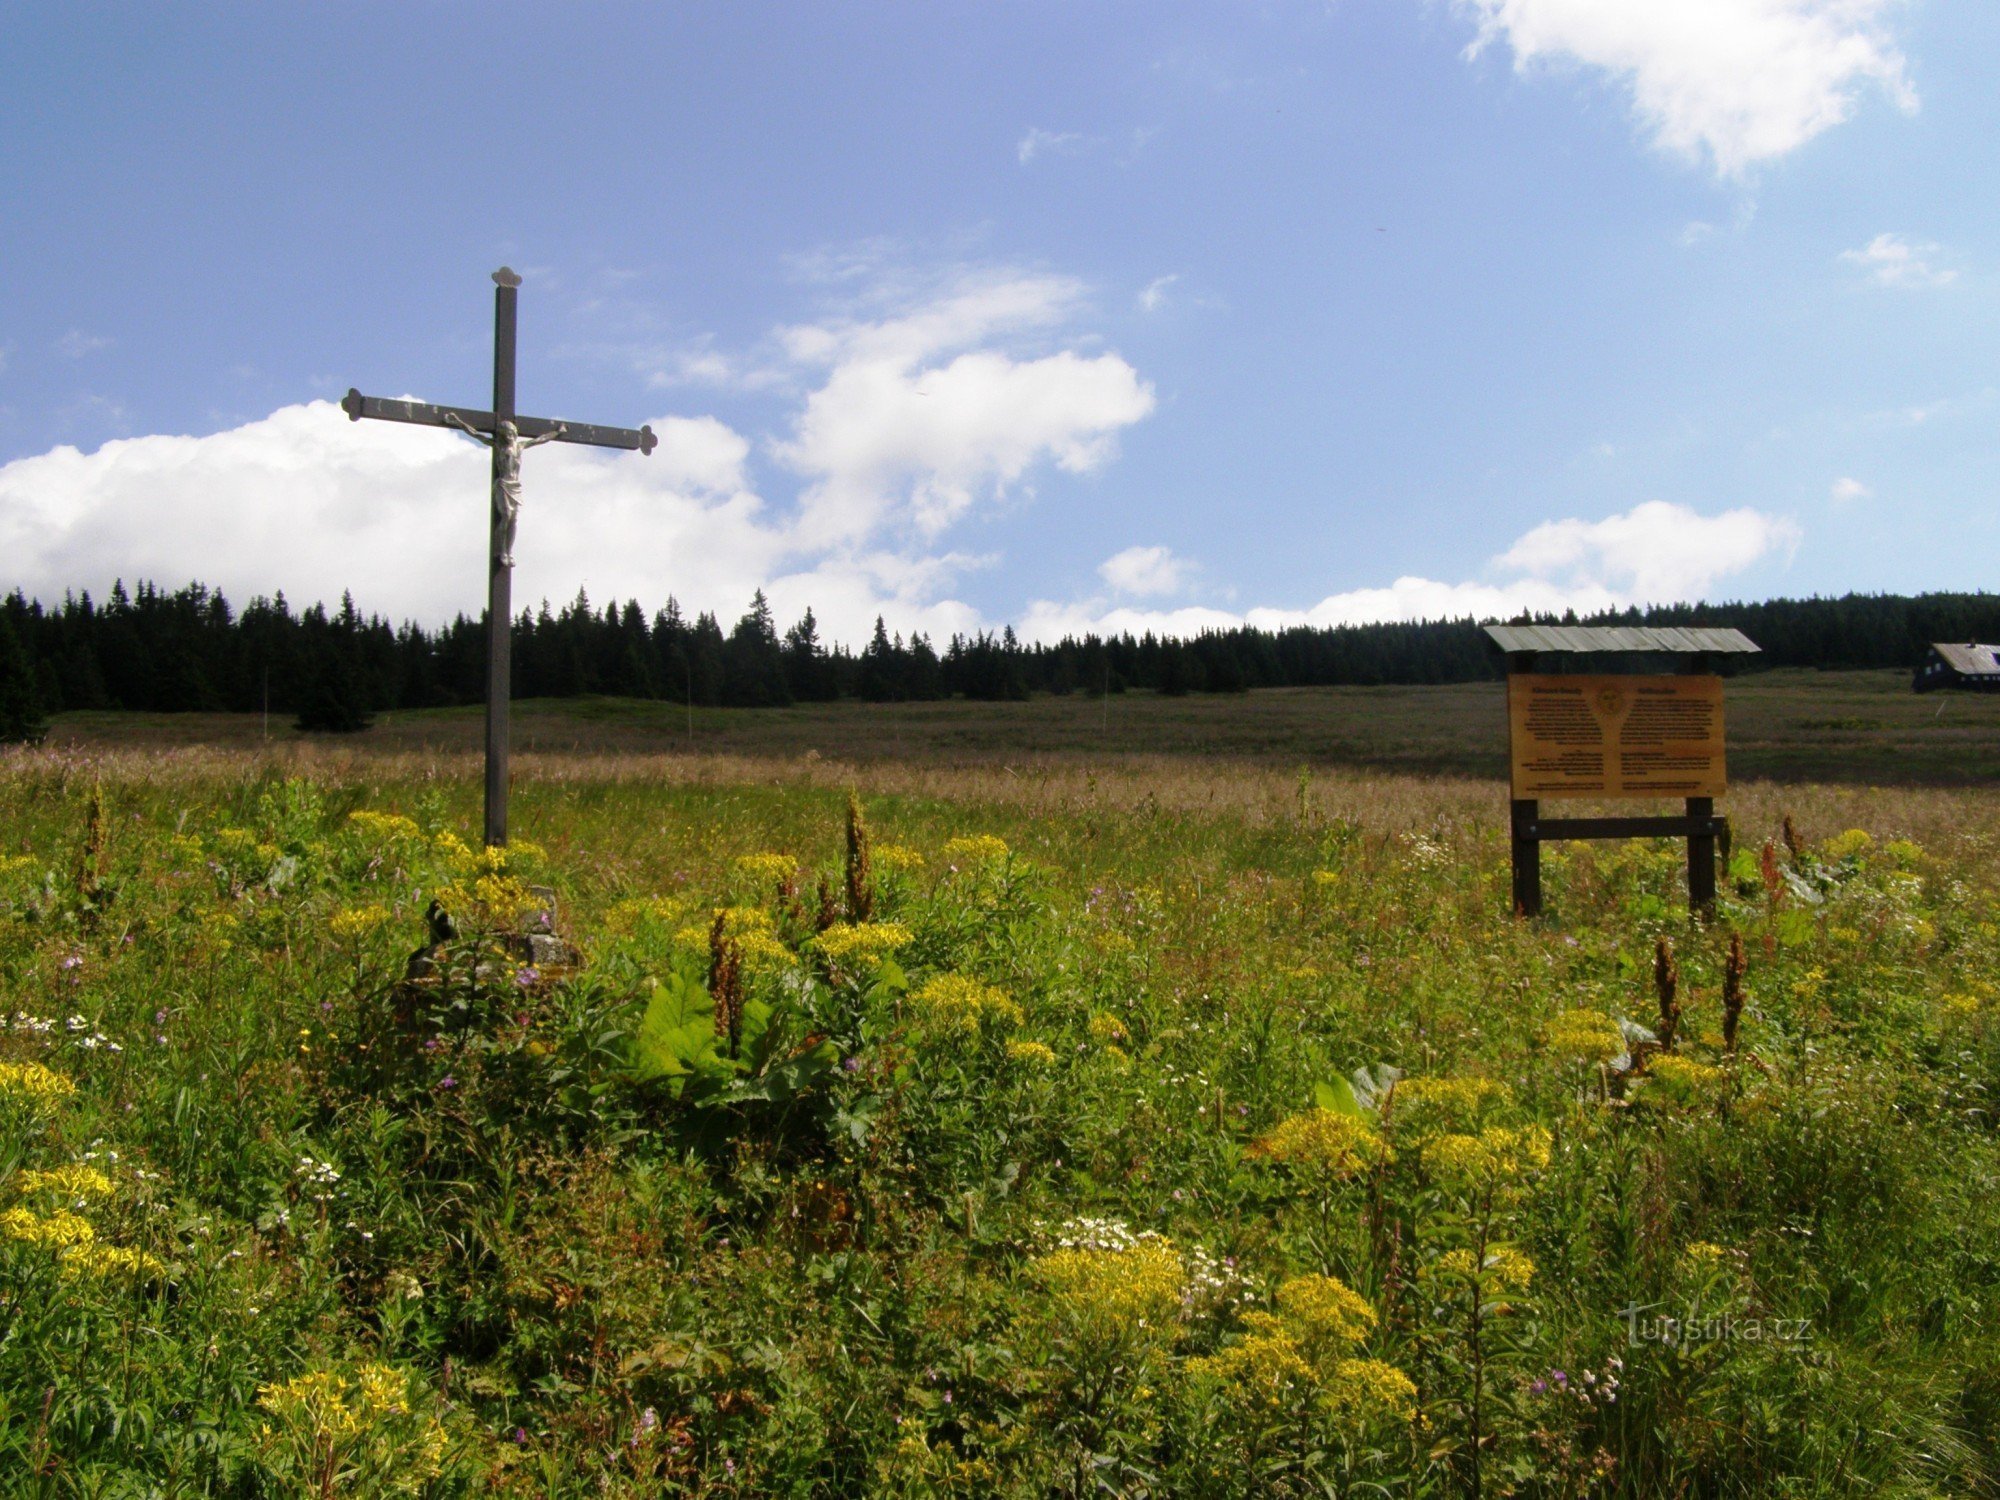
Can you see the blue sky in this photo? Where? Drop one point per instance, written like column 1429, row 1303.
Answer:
column 1059, row 314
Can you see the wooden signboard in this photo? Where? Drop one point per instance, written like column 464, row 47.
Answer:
column 1587, row 736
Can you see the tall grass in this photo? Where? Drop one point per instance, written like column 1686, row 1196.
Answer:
column 1054, row 1175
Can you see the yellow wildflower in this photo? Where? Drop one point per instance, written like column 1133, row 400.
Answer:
column 76, row 1180
column 33, row 1084
column 1700, row 1255
column 355, row 922
column 1584, row 1034
column 626, row 915
column 106, row 1261
column 1848, row 845
column 1324, row 1314
column 895, row 859
column 958, row 1003
column 768, row 869
column 1686, row 1077
column 1422, row 1104
column 1497, row 1154
column 491, row 898
column 974, row 849
column 1038, row 1053
column 453, row 850
column 1503, row 1268
column 1366, row 1391
column 1115, row 1290
column 861, row 944
column 1324, row 1141
column 61, row 1230
column 1105, row 1027
column 1262, row 1369
column 388, row 827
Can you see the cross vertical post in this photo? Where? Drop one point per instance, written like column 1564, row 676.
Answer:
column 509, row 435
column 499, row 575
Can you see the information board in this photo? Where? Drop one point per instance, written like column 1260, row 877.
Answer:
column 1615, row 736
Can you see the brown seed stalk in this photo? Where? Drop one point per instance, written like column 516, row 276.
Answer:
column 860, row 881
column 1666, row 984
column 1732, row 991
column 725, row 984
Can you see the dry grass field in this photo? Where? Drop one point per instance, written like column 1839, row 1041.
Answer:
column 1865, row 727
column 1171, row 1108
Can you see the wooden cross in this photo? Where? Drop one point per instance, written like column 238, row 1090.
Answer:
column 508, row 434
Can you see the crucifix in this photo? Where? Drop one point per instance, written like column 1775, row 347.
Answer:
column 509, row 435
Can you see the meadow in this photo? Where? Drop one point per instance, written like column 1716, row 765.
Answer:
column 960, row 1124
column 1791, row 724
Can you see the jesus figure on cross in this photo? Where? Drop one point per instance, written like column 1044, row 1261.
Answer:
column 510, row 445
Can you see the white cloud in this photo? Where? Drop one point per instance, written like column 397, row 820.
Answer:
column 1654, row 553
column 76, row 344
column 1145, row 570
column 1153, row 296
column 912, row 419
column 1891, row 260
column 917, row 421
column 1039, row 142
column 1739, row 81
column 1846, row 490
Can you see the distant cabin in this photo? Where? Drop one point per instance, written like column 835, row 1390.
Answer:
column 1967, row 665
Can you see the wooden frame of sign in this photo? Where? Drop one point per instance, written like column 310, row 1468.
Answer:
column 1605, row 734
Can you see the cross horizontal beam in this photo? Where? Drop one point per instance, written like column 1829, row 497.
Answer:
column 424, row 414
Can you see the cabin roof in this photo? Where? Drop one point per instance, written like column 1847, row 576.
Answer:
column 1969, row 658
column 1608, row 638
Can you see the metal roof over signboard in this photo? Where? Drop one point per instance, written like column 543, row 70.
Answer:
column 1599, row 639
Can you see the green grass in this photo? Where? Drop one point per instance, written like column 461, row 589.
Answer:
column 554, row 1235
column 1791, row 725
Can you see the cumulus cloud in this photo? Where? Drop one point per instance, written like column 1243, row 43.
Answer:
column 1039, row 142
column 1144, row 570
column 1849, row 489
column 76, row 344
column 1654, row 553
column 1735, row 81
column 1153, row 296
column 911, row 419
column 1891, row 260
column 918, row 419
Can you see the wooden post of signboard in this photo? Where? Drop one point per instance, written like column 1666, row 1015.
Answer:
column 1527, row 859
column 1701, row 846
column 1701, row 858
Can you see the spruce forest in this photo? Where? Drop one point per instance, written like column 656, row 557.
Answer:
column 189, row 650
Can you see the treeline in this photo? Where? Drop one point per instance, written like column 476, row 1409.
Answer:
column 188, row 649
